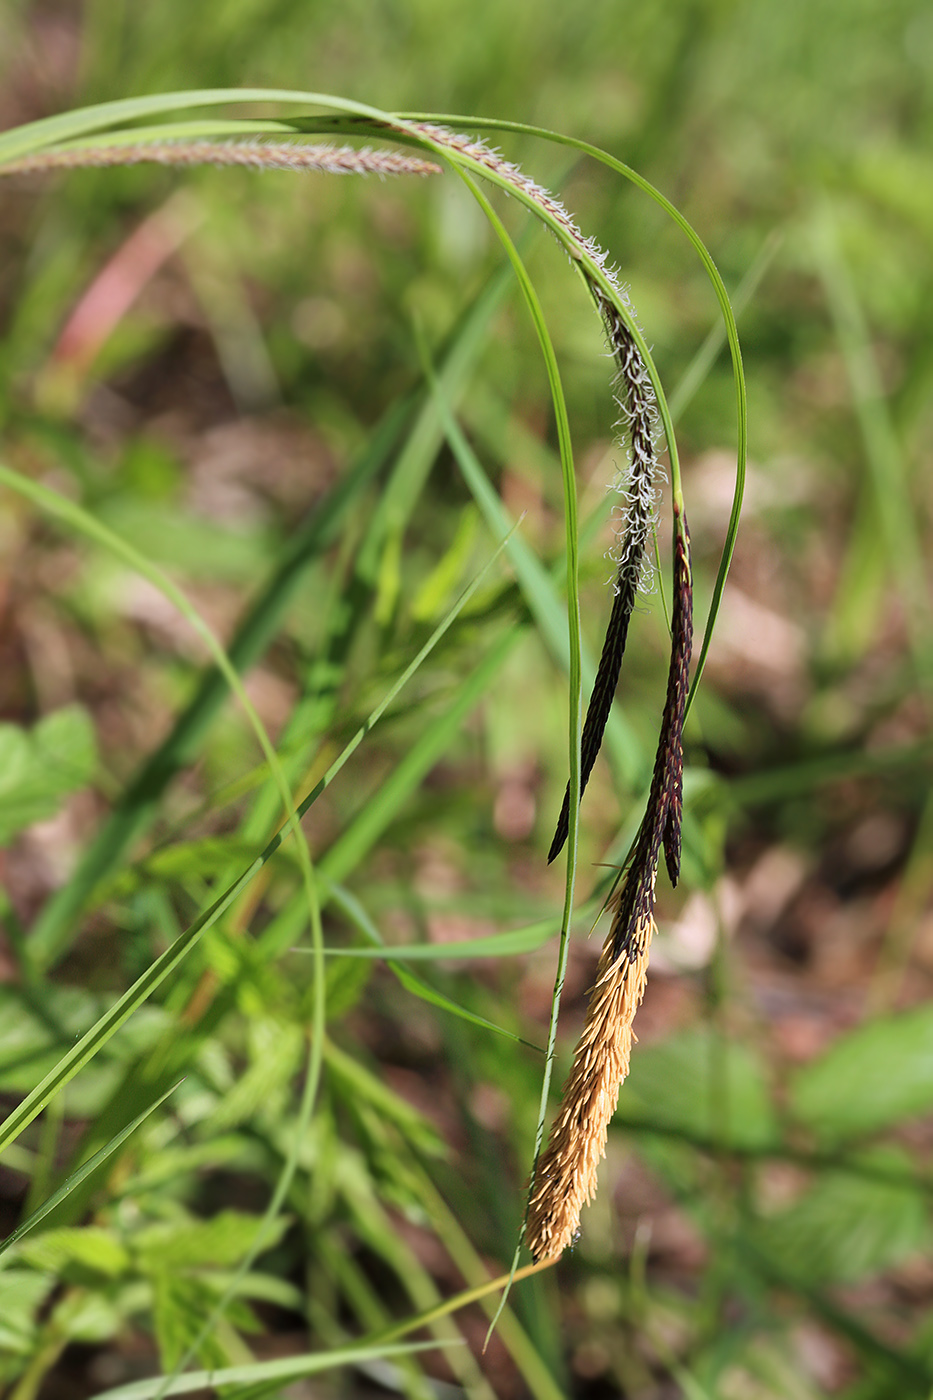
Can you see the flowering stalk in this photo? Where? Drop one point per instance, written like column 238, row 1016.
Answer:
column 565, row 1175
column 261, row 155
column 636, row 401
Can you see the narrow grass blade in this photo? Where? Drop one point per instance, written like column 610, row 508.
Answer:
column 55, row 926
column 426, row 992
column 350, row 848
column 361, row 920
column 280, row 1373
column 90, row 1043
column 83, row 1171
column 884, row 454
column 68, row 126
column 497, row 945
column 460, row 1300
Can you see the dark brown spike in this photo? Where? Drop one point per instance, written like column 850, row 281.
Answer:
column 565, row 1177
column 663, row 814
column 604, row 689
column 636, row 400
column 678, row 689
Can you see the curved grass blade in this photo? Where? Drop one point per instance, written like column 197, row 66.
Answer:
column 277, row 1373
column 358, row 116
column 361, row 118
column 102, row 1030
column 497, row 945
column 467, row 166
column 84, row 523
column 361, row 920
column 642, row 390
column 136, row 808
column 76, row 1177
column 69, row 126
column 423, row 990
column 381, row 810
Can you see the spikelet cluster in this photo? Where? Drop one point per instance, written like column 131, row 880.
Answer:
column 484, row 155
column 639, row 425
column 637, row 481
column 636, row 401
column 258, row 155
column 565, row 1176
column 635, row 394
column 565, row 1179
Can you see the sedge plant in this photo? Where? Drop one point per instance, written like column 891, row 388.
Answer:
column 564, row 1169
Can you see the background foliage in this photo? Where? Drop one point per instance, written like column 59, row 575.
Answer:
column 253, row 423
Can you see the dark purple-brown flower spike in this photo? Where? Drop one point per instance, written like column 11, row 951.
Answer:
column 565, row 1176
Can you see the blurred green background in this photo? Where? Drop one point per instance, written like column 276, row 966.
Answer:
column 763, row 1223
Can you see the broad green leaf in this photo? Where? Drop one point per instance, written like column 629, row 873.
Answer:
column 89, row 1249
column 275, row 1055
column 41, row 766
column 34, row 1037
column 847, row 1226
column 701, row 1087
column 182, row 1303
column 219, row 1242
column 22, row 1291
column 87, row 1316
column 875, row 1076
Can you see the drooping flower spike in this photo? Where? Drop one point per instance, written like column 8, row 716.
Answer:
column 565, row 1175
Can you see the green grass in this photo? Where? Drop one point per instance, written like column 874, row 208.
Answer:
column 216, row 1140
